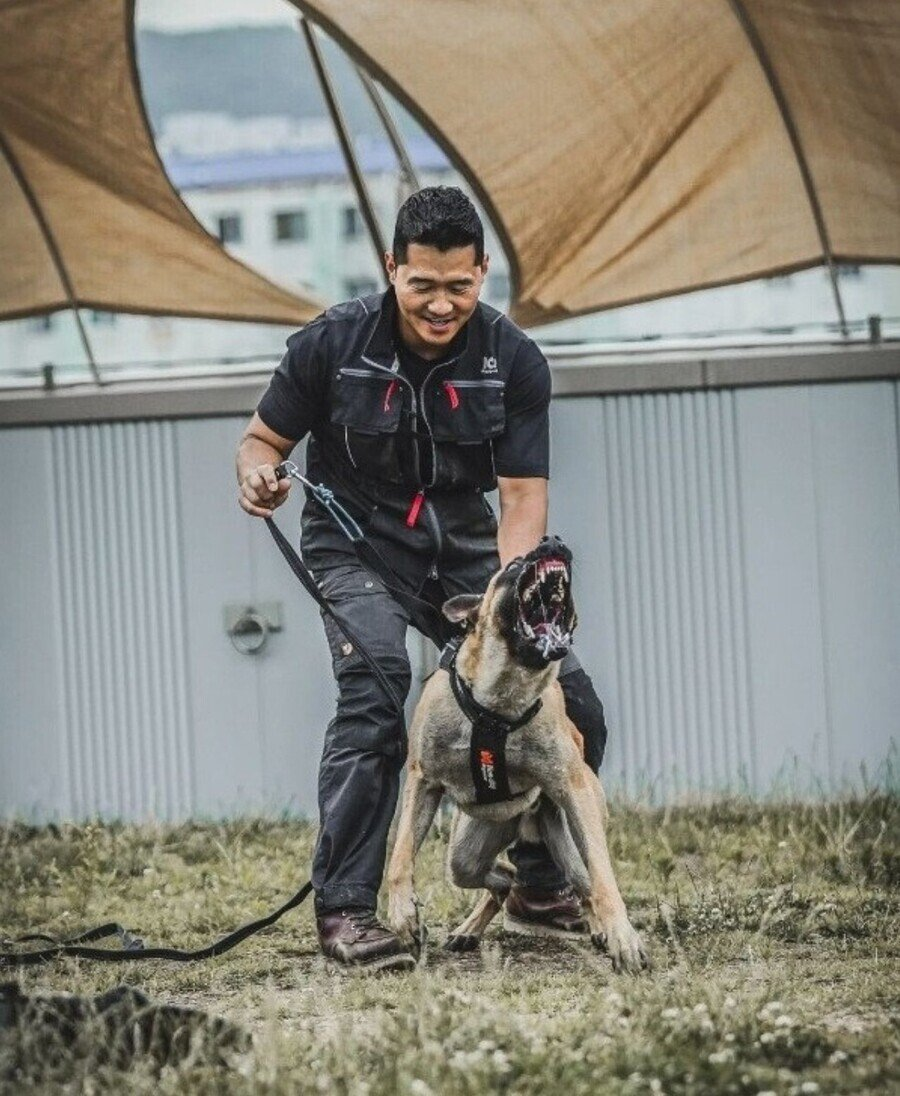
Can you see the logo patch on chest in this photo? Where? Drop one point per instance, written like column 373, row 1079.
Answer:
column 489, row 365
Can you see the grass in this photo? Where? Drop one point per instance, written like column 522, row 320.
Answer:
column 775, row 931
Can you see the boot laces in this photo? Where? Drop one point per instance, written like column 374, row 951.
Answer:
column 363, row 921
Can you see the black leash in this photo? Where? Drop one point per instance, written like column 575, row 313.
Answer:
column 133, row 949
column 423, row 613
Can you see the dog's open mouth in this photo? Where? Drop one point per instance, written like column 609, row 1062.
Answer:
column 545, row 607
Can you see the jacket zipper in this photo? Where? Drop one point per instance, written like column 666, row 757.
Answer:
column 474, row 384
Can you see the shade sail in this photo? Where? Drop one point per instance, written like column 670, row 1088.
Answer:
column 630, row 149
column 87, row 216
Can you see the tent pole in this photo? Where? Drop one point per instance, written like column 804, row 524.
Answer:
column 55, row 254
column 410, row 179
column 787, row 118
column 343, row 135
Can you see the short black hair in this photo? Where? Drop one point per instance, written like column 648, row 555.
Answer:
column 441, row 217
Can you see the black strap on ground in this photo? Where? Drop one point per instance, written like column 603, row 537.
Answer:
column 133, row 949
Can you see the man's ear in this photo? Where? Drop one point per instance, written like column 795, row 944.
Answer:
column 463, row 607
column 390, row 265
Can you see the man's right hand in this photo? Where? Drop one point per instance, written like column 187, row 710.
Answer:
column 262, row 492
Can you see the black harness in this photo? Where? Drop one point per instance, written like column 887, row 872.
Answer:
column 487, row 747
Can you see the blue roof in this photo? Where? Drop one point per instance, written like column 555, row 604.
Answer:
column 246, row 168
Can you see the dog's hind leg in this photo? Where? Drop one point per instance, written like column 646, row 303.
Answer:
column 474, row 848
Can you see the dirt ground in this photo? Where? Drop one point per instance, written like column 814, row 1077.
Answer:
column 774, row 931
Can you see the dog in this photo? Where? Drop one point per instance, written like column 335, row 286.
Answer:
column 506, row 670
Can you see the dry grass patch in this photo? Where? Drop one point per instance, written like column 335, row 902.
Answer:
column 774, row 930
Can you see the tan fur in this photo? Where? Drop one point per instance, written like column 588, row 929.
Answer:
column 555, row 795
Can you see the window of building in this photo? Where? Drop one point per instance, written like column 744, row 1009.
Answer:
column 103, row 319
column 229, row 228
column 360, row 287
column 779, row 279
column 848, row 270
column 40, row 324
column 291, row 224
column 351, row 223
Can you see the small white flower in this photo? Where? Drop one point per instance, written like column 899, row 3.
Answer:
column 501, row 1062
column 701, row 1007
column 418, row 1087
column 670, row 1013
column 718, row 1057
column 837, row 1057
column 784, row 1022
column 809, row 1087
column 729, row 1002
column 766, row 1038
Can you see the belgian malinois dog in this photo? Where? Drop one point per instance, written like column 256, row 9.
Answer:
column 508, row 662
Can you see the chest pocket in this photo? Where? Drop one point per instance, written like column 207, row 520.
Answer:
column 366, row 409
column 468, row 411
column 367, row 401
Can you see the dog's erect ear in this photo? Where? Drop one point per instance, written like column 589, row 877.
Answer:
column 462, row 607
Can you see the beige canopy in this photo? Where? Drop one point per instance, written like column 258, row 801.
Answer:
column 87, row 215
column 629, row 149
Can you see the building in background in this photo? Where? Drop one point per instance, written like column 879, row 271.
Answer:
column 275, row 191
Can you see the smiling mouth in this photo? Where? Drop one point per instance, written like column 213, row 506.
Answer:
column 543, row 590
column 438, row 325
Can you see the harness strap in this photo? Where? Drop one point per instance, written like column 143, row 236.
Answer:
column 487, row 746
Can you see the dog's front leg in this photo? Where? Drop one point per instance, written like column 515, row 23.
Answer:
column 420, row 802
column 582, row 800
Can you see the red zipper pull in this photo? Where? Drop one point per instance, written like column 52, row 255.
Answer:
column 452, row 395
column 391, row 389
column 413, row 516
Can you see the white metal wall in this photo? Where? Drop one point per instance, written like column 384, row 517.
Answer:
column 738, row 583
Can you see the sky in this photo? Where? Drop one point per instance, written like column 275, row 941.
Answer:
column 179, row 15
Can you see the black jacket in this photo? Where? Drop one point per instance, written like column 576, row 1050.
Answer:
column 412, row 465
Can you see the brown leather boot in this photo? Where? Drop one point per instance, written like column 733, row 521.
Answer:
column 356, row 938
column 534, row 911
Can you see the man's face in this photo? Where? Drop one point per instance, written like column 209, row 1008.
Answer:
column 436, row 293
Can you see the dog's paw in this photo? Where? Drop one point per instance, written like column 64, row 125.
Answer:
column 461, row 942
column 403, row 918
column 625, row 948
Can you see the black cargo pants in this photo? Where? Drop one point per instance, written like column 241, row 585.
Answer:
column 365, row 743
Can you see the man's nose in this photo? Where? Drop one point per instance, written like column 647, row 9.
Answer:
column 440, row 306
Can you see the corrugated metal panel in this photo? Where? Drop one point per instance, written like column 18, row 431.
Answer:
column 737, row 577
column 127, row 726
column 675, row 639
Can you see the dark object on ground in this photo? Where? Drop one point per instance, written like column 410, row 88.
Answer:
column 355, row 938
column 41, row 1036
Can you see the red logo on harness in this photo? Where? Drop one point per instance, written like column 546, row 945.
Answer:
column 486, row 757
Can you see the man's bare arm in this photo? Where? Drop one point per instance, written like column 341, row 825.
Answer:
column 260, row 449
column 523, row 516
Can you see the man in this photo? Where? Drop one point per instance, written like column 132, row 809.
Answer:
column 417, row 401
